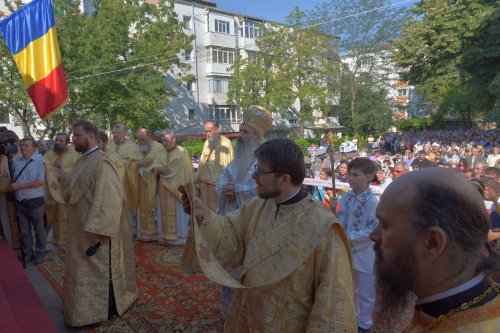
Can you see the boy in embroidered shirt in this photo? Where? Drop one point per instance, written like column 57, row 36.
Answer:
column 357, row 215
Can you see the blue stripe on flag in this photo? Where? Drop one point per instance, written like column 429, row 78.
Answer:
column 26, row 24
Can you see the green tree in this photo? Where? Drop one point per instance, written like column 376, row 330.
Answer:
column 293, row 72
column 365, row 29
column 373, row 111
column 116, row 61
column 431, row 48
column 481, row 61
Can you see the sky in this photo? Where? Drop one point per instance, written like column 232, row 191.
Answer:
column 274, row 10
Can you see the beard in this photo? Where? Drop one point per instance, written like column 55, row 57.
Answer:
column 58, row 149
column 212, row 142
column 395, row 281
column 243, row 158
column 82, row 147
column 145, row 147
column 269, row 194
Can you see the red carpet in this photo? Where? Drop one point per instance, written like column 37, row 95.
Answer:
column 167, row 301
column 20, row 308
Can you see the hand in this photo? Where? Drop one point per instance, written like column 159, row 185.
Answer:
column 17, row 186
column 59, row 172
column 145, row 162
column 228, row 191
column 199, row 206
column 104, row 240
column 164, row 170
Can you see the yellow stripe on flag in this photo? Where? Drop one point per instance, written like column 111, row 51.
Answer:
column 39, row 58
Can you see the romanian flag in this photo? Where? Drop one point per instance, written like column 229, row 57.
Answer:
column 30, row 34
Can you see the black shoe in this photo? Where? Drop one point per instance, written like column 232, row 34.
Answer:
column 29, row 257
column 39, row 259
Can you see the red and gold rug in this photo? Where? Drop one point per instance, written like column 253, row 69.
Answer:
column 168, row 302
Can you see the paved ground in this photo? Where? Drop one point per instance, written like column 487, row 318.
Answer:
column 49, row 297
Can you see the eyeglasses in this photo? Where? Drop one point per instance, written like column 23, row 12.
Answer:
column 259, row 173
column 398, row 171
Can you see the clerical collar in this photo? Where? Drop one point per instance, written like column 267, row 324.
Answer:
column 442, row 303
column 296, row 197
column 91, row 150
column 450, row 292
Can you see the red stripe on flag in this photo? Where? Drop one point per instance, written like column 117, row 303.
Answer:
column 50, row 93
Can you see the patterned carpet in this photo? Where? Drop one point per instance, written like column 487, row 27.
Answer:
column 168, row 302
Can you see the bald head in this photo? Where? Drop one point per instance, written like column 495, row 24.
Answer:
column 431, row 236
column 437, row 197
column 143, row 135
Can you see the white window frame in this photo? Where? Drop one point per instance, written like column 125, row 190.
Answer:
column 224, row 113
column 218, row 84
column 221, row 56
column 250, row 29
column 222, row 26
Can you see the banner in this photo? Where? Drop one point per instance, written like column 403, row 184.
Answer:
column 31, row 37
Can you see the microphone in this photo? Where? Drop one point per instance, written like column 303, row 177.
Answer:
column 92, row 249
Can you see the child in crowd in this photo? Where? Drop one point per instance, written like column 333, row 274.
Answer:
column 357, row 215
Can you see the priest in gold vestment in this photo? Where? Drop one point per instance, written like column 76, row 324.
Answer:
column 215, row 157
column 102, row 142
column 128, row 152
column 59, row 161
column 99, row 283
column 177, row 170
column 431, row 243
column 151, row 156
column 297, row 273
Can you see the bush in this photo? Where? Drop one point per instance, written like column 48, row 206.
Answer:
column 304, row 143
column 193, row 146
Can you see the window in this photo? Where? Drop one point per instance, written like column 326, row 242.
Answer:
column 191, row 114
column 187, row 55
column 221, row 56
column 224, row 113
column 186, row 22
column 222, row 26
column 402, row 92
column 4, row 118
column 190, row 86
column 250, row 29
column 218, row 85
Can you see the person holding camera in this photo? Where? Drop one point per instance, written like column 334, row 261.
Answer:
column 29, row 172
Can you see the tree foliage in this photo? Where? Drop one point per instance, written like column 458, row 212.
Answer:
column 373, row 111
column 365, row 29
column 437, row 42
column 293, row 72
column 116, row 61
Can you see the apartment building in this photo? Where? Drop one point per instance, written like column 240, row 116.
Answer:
column 221, row 37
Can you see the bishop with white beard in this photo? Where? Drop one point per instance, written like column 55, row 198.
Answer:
column 235, row 185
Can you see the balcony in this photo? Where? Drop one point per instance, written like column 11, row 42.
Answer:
column 220, row 39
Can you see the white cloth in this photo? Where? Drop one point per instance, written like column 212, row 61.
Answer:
column 365, row 298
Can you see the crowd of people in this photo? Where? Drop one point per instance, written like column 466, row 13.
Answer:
column 474, row 154
column 286, row 263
